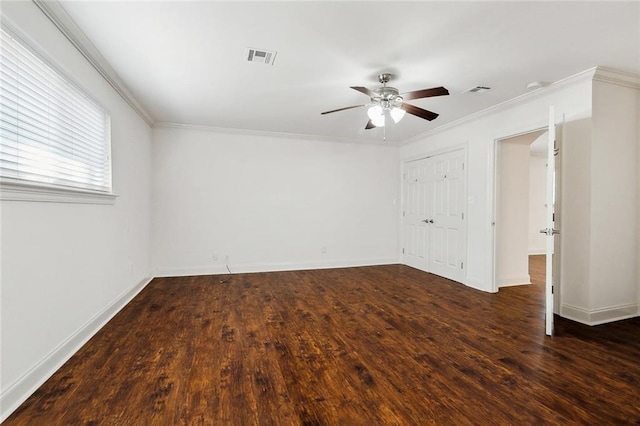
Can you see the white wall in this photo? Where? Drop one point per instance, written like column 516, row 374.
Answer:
column 67, row 267
column 600, row 284
column 575, row 213
column 270, row 202
column 512, row 215
column 614, row 204
column 537, row 201
column 572, row 98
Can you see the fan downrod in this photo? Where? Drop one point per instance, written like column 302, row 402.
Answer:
column 386, row 93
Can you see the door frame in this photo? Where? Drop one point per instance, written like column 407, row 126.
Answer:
column 493, row 200
column 494, row 172
column 429, row 154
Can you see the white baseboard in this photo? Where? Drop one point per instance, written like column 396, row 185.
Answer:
column 269, row 267
column 599, row 316
column 513, row 281
column 16, row 393
column 478, row 284
column 537, row 252
column 185, row 271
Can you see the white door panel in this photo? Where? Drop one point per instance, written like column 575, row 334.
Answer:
column 447, row 227
column 416, row 249
column 434, row 232
column 550, row 231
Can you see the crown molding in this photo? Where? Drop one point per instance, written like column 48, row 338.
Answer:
column 621, row 78
column 266, row 133
column 558, row 85
column 61, row 19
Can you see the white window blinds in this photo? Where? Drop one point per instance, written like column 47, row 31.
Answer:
column 50, row 132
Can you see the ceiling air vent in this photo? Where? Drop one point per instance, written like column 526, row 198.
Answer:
column 260, row 55
column 478, row 89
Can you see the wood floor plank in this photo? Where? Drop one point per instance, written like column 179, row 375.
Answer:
column 384, row 345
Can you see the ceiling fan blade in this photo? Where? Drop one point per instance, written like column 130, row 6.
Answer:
column 364, row 90
column 425, row 93
column 341, row 109
column 369, row 125
column 419, row 112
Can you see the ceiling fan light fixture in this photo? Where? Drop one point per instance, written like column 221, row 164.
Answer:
column 387, row 102
column 397, row 114
column 376, row 115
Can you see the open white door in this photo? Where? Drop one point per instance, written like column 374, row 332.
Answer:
column 550, row 231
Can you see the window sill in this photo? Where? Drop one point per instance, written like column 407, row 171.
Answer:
column 21, row 191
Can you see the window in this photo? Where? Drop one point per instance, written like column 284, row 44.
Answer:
column 51, row 134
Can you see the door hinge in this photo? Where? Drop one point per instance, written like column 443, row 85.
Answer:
column 462, row 216
column 461, row 265
column 402, row 251
column 462, row 166
column 552, row 290
column 403, row 213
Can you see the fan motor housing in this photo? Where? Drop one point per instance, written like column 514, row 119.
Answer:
column 386, row 96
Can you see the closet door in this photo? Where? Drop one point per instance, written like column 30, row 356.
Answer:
column 433, row 215
column 447, row 233
column 416, row 213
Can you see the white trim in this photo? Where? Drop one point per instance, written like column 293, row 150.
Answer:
column 440, row 151
column 609, row 75
column 492, row 182
column 478, row 284
column 178, row 271
column 514, row 281
column 53, row 10
column 11, row 190
column 267, row 133
column 601, row 315
column 17, row 392
column 492, row 207
column 537, row 251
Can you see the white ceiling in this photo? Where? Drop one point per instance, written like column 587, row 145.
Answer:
column 185, row 61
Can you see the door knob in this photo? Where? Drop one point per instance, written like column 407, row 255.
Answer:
column 428, row 221
column 549, row 231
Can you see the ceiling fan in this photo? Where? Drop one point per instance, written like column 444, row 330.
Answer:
column 388, row 101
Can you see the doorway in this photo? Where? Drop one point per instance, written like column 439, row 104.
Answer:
column 520, row 205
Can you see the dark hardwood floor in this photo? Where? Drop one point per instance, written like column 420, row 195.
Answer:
column 384, row 345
